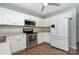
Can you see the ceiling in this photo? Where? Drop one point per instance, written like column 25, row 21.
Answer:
column 35, row 8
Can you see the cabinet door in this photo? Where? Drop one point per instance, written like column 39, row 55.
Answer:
column 6, row 16
column 19, row 19
column 60, row 43
column 1, row 17
column 46, row 37
column 63, row 26
column 13, row 42
column 5, row 48
column 17, row 42
column 21, row 42
column 40, row 39
column 10, row 17
column 43, row 37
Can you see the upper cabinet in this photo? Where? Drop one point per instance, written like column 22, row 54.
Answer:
column 0, row 17
column 18, row 19
column 42, row 23
column 9, row 17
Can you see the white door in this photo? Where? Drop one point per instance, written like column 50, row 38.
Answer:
column 60, row 40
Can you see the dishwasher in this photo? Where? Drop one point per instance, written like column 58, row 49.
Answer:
column 4, row 46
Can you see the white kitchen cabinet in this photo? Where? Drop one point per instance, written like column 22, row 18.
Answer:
column 17, row 42
column 40, row 38
column 59, row 42
column 39, row 23
column 43, row 37
column 18, row 19
column 42, row 23
column 10, row 17
column 22, row 42
column 5, row 15
column 0, row 18
column 5, row 48
column 13, row 43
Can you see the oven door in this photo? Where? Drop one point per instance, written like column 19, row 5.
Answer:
column 32, row 37
column 31, row 40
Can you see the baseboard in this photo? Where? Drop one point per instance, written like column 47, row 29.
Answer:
column 60, row 49
column 72, row 47
column 55, row 47
column 44, row 43
column 72, row 51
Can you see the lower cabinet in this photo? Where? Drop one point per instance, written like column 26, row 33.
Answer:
column 17, row 42
column 43, row 37
column 5, row 48
column 59, row 42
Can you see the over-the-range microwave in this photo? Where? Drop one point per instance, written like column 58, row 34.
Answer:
column 29, row 23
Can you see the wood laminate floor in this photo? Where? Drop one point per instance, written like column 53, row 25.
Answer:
column 46, row 49
column 43, row 49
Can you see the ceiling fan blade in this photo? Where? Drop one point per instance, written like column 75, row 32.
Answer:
column 55, row 4
column 42, row 7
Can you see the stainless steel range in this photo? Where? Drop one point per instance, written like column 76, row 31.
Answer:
column 31, row 40
column 31, row 37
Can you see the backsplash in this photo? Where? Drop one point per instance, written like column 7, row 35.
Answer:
column 10, row 29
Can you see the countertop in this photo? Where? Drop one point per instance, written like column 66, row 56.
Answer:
column 11, row 34
column 36, row 29
column 24, row 26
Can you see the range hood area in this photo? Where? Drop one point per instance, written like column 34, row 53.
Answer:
column 27, row 25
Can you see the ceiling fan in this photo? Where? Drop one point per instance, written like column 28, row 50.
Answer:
column 46, row 4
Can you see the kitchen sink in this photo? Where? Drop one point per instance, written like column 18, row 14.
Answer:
column 2, row 39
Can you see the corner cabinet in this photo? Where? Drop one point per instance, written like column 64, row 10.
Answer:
column 43, row 37
column 17, row 42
